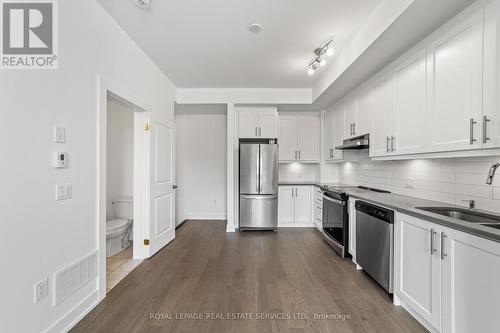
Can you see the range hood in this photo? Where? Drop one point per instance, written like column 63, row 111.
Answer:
column 359, row 142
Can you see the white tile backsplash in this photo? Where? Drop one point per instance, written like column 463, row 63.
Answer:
column 448, row 180
column 299, row 171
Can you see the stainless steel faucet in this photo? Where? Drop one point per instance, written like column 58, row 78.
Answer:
column 491, row 173
column 472, row 203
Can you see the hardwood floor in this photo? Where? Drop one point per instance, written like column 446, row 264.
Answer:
column 274, row 275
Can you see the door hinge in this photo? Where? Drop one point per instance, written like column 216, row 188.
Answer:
column 147, row 127
column 146, row 242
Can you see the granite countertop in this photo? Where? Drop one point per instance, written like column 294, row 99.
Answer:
column 406, row 205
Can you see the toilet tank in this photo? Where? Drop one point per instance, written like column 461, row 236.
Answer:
column 123, row 208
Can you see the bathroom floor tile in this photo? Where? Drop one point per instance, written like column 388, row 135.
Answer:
column 129, row 265
column 113, row 264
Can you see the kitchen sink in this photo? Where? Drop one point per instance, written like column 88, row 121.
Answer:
column 492, row 225
column 465, row 215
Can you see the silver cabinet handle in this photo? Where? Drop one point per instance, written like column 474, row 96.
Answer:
column 295, row 154
column 354, row 128
column 292, row 192
column 256, row 133
column 443, row 236
column 260, row 131
column 392, row 143
column 331, row 153
column 299, row 154
column 433, row 250
column 471, row 130
column 485, row 128
column 387, row 144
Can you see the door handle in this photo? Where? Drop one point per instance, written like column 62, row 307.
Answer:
column 471, row 130
column 392, row 143
column 485, row 128
column 174, row 186
column 433, row 250
column 443, row 236
column 387, row 139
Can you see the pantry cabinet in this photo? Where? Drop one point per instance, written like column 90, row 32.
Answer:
column 454, row 83
column 257, row 122
column 294, row 205
column 445, row 277
column 299, row 138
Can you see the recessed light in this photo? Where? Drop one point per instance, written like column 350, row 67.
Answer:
column 255, row 28
column 143, row 3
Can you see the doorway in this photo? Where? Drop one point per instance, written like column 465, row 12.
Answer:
column 120, row 222
column 153, row 199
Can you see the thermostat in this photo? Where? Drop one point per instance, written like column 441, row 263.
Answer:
column 60, row 160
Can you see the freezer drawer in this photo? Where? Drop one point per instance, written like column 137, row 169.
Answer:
column 258, row 211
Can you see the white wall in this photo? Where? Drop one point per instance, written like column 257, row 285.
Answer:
column 201, row 166
column 40, row 236
column 120, row 153
column 447, row 180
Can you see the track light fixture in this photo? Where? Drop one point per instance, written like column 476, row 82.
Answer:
column 320, row 55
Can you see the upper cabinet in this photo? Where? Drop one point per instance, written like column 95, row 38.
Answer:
column 490, row 135
column 454, row 82
column 383, row 113
column 258, row 122
column 334, row 133
column 350, row 117
column 299, row 138
column 358, row 114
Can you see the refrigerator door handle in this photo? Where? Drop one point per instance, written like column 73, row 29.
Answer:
column 260, row 171
column 259, row 197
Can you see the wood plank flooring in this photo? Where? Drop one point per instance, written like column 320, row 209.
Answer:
column 247, row 282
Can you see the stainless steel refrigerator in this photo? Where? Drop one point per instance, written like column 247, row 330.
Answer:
column 258, row 186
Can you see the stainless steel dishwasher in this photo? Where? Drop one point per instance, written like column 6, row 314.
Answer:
column 375, row 242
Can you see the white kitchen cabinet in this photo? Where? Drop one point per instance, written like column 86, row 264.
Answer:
column 470, row 288
column 490, row 129
column 350, row 117
column 318, row 207
column 365, row 112
column 351, row 247
column 294, row 205
column 329, row 134
column 286, row 204
column 256, row 122
column 334, row 129
column 409, row 119
column 299, row 138
column 417, row 267
column 454, row 83
column 382, row 121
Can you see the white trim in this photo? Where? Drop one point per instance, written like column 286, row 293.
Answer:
column 231, row 155
column 244, row 96
column 296, row 225
column 73, row 316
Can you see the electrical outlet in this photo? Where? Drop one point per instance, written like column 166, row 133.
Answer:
column 41, row 289
column 409, row 183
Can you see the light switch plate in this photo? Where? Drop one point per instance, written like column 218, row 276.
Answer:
column 59, row 134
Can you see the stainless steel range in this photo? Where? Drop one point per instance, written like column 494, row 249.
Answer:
column 335, row 222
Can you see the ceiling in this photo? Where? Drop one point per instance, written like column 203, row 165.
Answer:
column 207, row 44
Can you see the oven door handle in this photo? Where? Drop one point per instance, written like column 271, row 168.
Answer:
column 333, row 200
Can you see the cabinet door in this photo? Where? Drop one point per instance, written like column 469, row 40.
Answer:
column 350, row 115
column 365, row 109
column 491, row 103
column 288, row 139
column 248, row 123
column 308, row 139
column 329, row 135
column 286, row 204
column 417, row 272
column 455, row 77
column 338, row 132
column 383, row 111
column 471, row 292
column 268, row 123
column 303, row 201
column 409, row 114
column 352, row 228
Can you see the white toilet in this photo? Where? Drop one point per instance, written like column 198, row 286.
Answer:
column 118, row 229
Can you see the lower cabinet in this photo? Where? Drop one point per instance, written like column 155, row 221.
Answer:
column 447, row 279
column 294, row 206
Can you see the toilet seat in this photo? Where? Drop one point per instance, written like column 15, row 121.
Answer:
column 116, row 224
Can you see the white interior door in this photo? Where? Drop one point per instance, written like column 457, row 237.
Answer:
column 162, row 204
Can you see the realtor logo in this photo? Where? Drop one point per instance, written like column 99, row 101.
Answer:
column 29, row 35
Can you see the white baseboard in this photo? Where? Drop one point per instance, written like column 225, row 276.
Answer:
column 72, row 317
column 296, row 225
column 202, row 216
